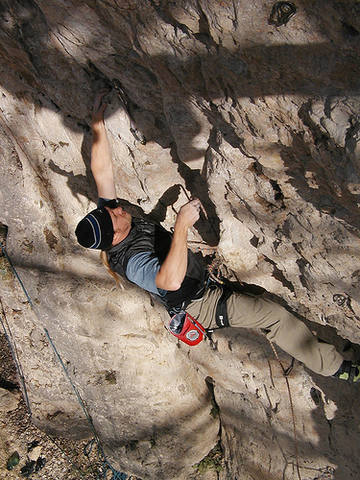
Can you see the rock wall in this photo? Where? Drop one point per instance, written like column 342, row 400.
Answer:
column 261, row 123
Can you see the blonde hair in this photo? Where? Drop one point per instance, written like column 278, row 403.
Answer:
column 114, row 275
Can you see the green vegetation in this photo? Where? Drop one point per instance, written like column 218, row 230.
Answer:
column 213, row 461
column 5, row 269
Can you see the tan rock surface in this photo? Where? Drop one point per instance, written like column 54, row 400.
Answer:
column 262, row 124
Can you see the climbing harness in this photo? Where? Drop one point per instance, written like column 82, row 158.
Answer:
column 221, row 315
column 185, row 327
column 281, row 13
column 105, row 464
column 213, row 272
column 189, row 330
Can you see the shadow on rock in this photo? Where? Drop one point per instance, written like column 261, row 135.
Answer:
column 335, row 415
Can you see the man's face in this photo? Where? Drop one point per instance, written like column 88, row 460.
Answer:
column 121, row 221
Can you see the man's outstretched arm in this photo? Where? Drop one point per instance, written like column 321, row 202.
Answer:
column 101, row 161
column 172, row 271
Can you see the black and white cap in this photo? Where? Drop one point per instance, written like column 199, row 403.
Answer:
column 96, row 230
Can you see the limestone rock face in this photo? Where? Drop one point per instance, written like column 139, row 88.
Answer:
column 8, row 400
column 262, row 124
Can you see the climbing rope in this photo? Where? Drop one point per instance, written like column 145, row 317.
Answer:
column 286, row 374
column 106, row 465
column 11, row 343
column 214, row 272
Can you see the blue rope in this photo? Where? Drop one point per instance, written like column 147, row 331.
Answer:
column 75, row 390
column 16, row 359
column 116, row 475
column 16, row 274
column 7, row 336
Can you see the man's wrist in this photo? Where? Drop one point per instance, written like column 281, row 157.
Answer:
column 181, row 225
column 97, row 126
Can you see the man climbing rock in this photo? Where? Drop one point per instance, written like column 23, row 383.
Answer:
column 147, row 255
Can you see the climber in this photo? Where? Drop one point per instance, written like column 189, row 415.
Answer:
column 148, row 256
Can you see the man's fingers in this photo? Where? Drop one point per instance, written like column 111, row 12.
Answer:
column 197, row 204
column 99, row 106
column 192, row 210
column 203, row 211
column 101, row 93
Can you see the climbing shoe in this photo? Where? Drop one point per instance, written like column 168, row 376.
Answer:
column 349, row 371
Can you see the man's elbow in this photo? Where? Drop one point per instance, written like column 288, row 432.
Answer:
column 171, row 285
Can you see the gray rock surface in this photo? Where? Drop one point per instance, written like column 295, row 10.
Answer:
column 8, row 401
column 262, row 124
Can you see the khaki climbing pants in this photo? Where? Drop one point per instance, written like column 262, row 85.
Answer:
column 282, row 328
